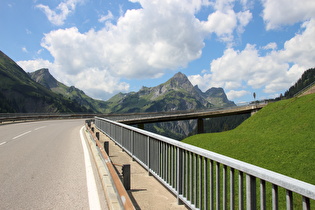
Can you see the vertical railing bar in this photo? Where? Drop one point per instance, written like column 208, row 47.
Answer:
column 217, row 197
column 289, row 200
column 186, row 174
column 148, row 155
column 250, row 192
column 179, row 174
column 162, row 161
column 232, row 189
column 206, row 180
column 274, row 197
column 174, row 167
column 211, row 185
column 171, row 165
column 224, row 202
column 191, row 177
column 240, row 191
column 165, row 162
column 262, row 194
column 195, row 179
column 160, row 156
column 306, row 203
column 200, row 181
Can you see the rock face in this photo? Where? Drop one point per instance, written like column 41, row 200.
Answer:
column 176, row 94
column 43, row 77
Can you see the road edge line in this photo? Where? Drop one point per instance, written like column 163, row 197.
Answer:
column 94, row 201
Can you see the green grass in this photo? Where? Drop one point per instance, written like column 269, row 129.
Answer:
column 280, row 137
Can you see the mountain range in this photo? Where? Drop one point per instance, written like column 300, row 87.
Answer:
column 40, row 92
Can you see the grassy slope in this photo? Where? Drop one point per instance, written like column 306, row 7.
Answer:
column 280, row 137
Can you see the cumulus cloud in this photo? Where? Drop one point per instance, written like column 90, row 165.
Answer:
column 33, row 65
column 144, row 43
column 270, row 46
column 238, row 70
column 232, row 94
column 104, row 18
column 24, row 49
column 224, row 21
column 282, row 12
column 60, row 14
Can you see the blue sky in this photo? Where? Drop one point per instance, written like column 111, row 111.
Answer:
column 108, row 46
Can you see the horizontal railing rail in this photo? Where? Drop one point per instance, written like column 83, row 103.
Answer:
column 202, row 179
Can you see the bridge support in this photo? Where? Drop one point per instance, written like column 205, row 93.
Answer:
column 141, row 126
column 200, row 125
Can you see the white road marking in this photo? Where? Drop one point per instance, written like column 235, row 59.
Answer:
column 39, row 128
column 2, row 143
column 94, row 201
column 21, row 135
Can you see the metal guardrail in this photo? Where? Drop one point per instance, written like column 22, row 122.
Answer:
column 206, row 180
column 124, row 198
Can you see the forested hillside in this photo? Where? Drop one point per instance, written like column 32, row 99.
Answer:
column 306, row 79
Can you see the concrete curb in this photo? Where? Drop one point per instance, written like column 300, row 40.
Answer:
column 111, row 195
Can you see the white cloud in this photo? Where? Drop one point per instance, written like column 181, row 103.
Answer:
column 276, row 71
column 60, row 14
column 104, row 18
column 270, row 46
column 233, row 94
column 24, row 49
column 283, row 12
column 224, row 21
column 301, row 48
column 144, row 43
column 33, row 65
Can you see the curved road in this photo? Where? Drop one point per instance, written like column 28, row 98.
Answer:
column 42, row 166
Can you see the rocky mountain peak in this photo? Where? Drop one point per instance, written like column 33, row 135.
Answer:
column 43, row 77
column 180, row 80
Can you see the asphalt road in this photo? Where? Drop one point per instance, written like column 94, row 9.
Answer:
column 42, row 166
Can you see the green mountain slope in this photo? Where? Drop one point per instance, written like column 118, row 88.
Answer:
column 19, row 93
column 43, row 77
column 280, row 137
column 175, row 94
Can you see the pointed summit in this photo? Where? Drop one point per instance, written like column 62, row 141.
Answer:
column 43, row 77
column 180, row 80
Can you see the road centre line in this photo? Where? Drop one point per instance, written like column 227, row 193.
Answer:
column 94, row 201
column 2, row 143
column 21, row 134
column 39, row 128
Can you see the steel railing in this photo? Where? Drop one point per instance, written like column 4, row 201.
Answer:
column 202, row 179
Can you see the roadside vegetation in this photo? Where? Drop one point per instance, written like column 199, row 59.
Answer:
column 280, row 137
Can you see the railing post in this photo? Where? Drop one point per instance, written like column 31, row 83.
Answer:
column 106, row 147
column 179, row 175
column 200, row 125
column 148, row 154
column 126, row 176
